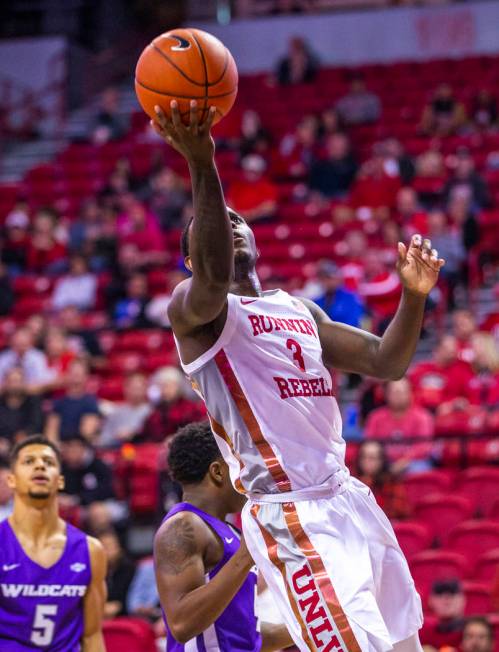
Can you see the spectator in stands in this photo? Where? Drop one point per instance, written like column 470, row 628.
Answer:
column 376, row 186
column 141, row 227
column 299, row 66
column 126, row 421
column 6, row 292
column 33, row 363
column 450, row 247
column 254, row 139
column 15, row 239
column 337, row 302
column 88, row 484
column 464, row 326
column 45, row 254
column 82, row 341
column 402, row 419
column 397, row 161
column 483, row 114
column 478, row 635
column 143, row 598
column 6, row 493
column 86, row 227
column 466, row 181
column 443, row 378
column 483, row 387
column 107, row 124
column 157, row 308
column 255, row 195
column 172, row 409
column 78, row 288
column 129, row 312
column 120, row 572
column 76, row 413
column 444, row 115
column 430, row 177
column 333, row 176
column 37, row 325
column 380, row 289
column 463, row 218
column 166, row 196
column 408, row 213
column 372, row 467
column 20, row 413
column 330, row 123
column 59, row 354
column 298, row 150
column 447, row 602
column 359, row 106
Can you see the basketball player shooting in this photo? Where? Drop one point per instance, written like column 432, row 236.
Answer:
column 52, row 576
column 259, row 360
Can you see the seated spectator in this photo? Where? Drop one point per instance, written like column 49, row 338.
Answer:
column 466, row 181
column 375, row 186
column 130, row 312
column 21, row 353
column 464, row 219
column 86, row 227
column 330, row 123
column 338, row 303
column 166, row 196
column 254, row 139
column 402, row 419
column 172, row 409
column 126, row 420
column 443, row 378
column 44, row 253
column 478, row 635
column 299, row 66
column 76, row 413
column 140, row 227
column 483, row 387
column 298, row 150
column 352, row 266
column 390, row 235
column 372, row 467
column 380, row 288
column 333, row 176
column 78, row 288
column 444, row 114
column 20, row 413
column 483, row 113
column 59, row 353
column 37, row 325
column 6, row 493
column 255, row 195
column 430, row 177
column 408, row 213
column 464, row 326
column 107, row 124
column 143, row 597
column 447, row 602
column 15, row 239
column 397, row 161
column 359, row 106
column 120, row 572
column 88, row 484
column 82, row 341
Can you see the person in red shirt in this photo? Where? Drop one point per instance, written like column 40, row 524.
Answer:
column 254, row 196
column 375, row 187
column 464, row 327
column 400, row 419
column 44, row 253
column 380, row 287
column 442, row 379
column 483, row 387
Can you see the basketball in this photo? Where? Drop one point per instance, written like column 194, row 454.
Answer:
column 185, row 65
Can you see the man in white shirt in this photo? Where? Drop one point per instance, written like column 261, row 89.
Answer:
column 78, row 288
column 33, row 362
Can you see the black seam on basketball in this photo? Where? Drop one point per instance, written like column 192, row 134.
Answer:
column 205, row 107
column 184, row 97
column 165, row 56
column 226, row 64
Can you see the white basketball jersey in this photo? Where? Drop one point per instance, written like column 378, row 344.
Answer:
column 270, row 397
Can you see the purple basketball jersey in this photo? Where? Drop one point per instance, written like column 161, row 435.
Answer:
column 42, row 608
column 237, row 626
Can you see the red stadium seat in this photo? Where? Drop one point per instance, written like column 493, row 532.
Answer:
column 431, row 565
column 130, row 634
column 487, row 566
column 412, row 537
column 478, row 598
column 441, row 512
column 481, row 485
column 421, row 484
column 473, row 538
column 494, row 510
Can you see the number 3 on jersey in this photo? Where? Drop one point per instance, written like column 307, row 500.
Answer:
column 43, row 626
column 295, row 348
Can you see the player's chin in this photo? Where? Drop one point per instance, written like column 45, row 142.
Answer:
column 39, row 494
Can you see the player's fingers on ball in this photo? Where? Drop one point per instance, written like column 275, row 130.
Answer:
column 193, row 115
column 211, row 116
column 176, row 119
column 161, row 117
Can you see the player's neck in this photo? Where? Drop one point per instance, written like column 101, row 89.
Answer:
column 35, row 520
column 246, row 283
column 205, row 503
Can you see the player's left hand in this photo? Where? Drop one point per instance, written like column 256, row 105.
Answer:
column 418, row 266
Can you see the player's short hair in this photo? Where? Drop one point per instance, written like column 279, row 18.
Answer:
column 35, row 440
column 191, row 452
column 480, row 620
column 184, row 238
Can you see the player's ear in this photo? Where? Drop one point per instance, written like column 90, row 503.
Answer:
column 11, row 480
column 187, row 263
column 216, row 472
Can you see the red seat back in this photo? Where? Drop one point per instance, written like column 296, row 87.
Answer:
column 473, row 538
column 412, row 537
column 130, row 634
column 481, row 485
column 432, row 565
column 421, row 484
column 478, row 598
column 441, row 512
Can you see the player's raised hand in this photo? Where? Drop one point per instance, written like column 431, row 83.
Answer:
column 194, row 140
column 418, row 266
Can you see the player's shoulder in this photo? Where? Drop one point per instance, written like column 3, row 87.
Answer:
column 95, row 549
column 184, row 528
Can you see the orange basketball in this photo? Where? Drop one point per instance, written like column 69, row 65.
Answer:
column 182, row 65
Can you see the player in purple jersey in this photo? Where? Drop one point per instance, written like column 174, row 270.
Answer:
column 205, row 575
column 52, row 576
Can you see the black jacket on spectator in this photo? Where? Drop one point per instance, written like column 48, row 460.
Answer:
column 27, row 417
column 332, row 178
column 118, row 582
column 91, row 482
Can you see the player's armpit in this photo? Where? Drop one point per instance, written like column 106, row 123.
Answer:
column 196, row 302
column 275, row 637
column 94, row 600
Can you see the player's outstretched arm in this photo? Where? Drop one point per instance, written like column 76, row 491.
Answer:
column 94, row 600
column 388, row 357
column 191, row 605
column 274, row 637
column 201, row 299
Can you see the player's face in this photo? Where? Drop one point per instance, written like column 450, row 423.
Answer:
column 36, row 473
column 245, row 252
